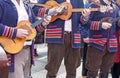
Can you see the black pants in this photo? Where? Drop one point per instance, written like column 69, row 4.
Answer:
column 115, row 71
column 84, row 70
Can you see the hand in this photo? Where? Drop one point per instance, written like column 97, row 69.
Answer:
column 106, row 25
column 103, row 9
column 51, row 10
column 62, row 9
column 86, row 40
column 22, row 33
column 86, row 13
column 46, row 21
column 118, row 2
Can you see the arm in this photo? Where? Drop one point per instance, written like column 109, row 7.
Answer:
column 92, row 21
column 4, row 29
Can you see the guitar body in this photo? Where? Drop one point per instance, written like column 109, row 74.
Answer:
column 62, row 16
column 14, row 46
column 27, row 25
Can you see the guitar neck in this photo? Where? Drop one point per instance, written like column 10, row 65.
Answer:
column 42, row 5
column 42, row 19
column 113, row 20
column 81, row 9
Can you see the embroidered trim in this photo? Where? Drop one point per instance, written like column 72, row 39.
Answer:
column 77, row 38
column 54, row 33
column 99, row 41
column 8, row 32
column 95, row 25
column 82, row 20
column 41, row 12
column 113, row 43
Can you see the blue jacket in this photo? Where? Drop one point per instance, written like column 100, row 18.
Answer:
column 9, row 17
column 55, row 30
column 99, row 37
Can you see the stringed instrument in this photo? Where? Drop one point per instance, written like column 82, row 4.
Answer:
column 110, row 19
column 14, row 46
column 70, row 9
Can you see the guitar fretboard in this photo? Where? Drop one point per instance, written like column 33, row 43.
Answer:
column 81, row 9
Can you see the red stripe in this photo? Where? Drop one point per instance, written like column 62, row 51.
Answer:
column 51, row 35
column 76, row 40
column 92, row 26
column 97, row 26
column 53, row 30
column 77, row 35
column 39, row 12
column 5, row 31
column 82, row 21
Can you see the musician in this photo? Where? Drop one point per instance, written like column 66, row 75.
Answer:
column 63, row 38
column 102, row 43
column 11, row 13
column 115, row 70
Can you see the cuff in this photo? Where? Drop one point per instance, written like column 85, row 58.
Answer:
column 14, row 33
column 84, row 20
column 96, row 25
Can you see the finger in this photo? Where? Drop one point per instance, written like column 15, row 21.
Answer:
column 44, row 23
column 49, row 18
column 24, row 36
column 26, row 32
column 45, row 20
column 85, row 11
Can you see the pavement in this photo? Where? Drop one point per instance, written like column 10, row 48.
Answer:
column 38, row 70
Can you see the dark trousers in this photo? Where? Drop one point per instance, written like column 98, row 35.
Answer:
column 4, row 69
column 97, row 59
column 115, row 71
column 84, row 70
column 56, row 53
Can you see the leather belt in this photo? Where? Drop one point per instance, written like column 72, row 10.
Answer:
column 67, row 32
column 26, row 46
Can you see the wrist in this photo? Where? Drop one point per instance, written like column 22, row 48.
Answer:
column 85, row 18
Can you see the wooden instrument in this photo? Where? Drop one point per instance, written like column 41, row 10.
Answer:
column 110, row 19
column 13, row 46
column 51, row 4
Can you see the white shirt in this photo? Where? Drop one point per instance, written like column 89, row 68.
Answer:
column 68, row 24
column 22, row 15
column 3, row 55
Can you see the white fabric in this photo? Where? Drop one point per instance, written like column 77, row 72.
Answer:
column 34, row 1
column 68, row 1
column 27, row 43
column 3, row 55
column 68, row 25
column 22, row 15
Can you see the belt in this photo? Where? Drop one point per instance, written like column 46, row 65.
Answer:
column 27, row 46
column 67, row 32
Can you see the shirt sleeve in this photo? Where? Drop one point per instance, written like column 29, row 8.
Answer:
column 4, row 29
